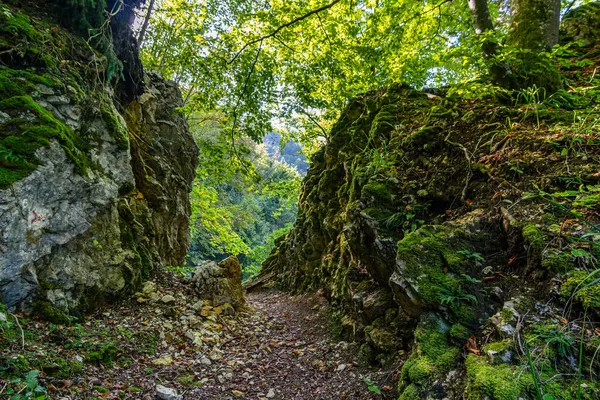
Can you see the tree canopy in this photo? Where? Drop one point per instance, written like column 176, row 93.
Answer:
column 293, row 65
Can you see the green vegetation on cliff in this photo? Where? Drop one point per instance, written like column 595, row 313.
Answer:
column 41, row 102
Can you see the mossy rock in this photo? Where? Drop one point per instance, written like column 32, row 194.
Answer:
column 379, row 191
column 557, row 261
column 30, row 127
column 493, row 382
column 365, row 356
column 582, row 24
column 432, row 272
column 381, row 336
column 582, row 287
column 48, row 311
column 434, row 355
column 15, row 24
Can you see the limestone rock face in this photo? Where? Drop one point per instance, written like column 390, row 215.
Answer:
column 164, row 158
column 220, row 282
column 92, row 198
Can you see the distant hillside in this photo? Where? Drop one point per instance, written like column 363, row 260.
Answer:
column 291, row 155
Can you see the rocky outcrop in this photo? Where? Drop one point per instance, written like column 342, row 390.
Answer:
column 436, row 226
column 220, row 283
column 92, row 198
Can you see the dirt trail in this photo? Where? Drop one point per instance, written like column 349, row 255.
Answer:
column 280, row 347
column 284, row 350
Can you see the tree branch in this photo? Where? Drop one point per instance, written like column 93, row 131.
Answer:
column 142, row 33
column 286, row 25
column 235, row 115
column 425, row 12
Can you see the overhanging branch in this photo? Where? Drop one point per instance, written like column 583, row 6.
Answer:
column 280, row 28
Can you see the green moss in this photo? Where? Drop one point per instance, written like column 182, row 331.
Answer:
column 19, row 83
column 61, row 367
column 15, row 24
column 115, row 126
column 581, row 287
column 46, row 310
column 30, row 128
column 188, row 380
column 418, row 370
column 379, row 190
column 507, row 315
column 411, row 392
column 493, row 382
column 434, row 354
column 459, row 332
column 431, row 260
column 434, row 345
column 533, row 237
column 384, row 121
column 499, row 346
column 106, row 354
column 365, row 355
column 46, row 285
column 101, row 389
column 17, row 366
column 557, row 261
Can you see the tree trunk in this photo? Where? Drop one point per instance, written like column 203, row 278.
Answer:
column 146, row 23
column 481, row 16
column 534, row 24
column 482, row 22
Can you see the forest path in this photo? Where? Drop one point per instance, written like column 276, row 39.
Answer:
column 278, row 347
column 282, row 349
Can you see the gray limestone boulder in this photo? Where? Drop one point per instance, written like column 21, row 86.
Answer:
column 220, row 282
column 71, row 239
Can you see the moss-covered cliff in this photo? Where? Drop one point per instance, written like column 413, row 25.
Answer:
column 462, row 230
column 96, row 163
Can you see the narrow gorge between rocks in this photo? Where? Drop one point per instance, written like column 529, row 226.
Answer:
column 226, row 199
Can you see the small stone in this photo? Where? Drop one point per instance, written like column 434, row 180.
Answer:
column 194, row 321
column 154, row 297
column 149, row 287
column 165, row 360
column 341, row 367
column 197, row 306
column 205, row 361
column 45, row 90
column 168, row 299
column 165, row 393
column 72, row 112
column 271, row 394
column 56, row 100
column 4, row 117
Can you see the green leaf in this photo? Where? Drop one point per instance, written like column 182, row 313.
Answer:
column 31, row 379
